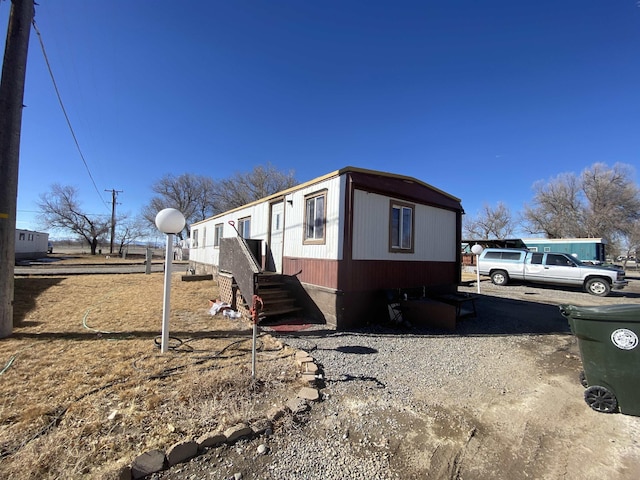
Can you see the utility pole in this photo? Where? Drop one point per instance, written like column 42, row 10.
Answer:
column 14, row 69
column 114, row 195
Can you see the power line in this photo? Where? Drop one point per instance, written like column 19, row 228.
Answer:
column 64, row 110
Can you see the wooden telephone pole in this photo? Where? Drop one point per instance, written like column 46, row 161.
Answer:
column 114, row 195
column 14, row 68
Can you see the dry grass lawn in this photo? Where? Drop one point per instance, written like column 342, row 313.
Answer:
column 85, row 387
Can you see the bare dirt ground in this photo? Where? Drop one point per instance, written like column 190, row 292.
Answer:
column 85, row 388
column 549, row 431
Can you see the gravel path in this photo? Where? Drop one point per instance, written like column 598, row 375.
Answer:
column 379, row 389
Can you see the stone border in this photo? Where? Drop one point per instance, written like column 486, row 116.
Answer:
column 157, row 460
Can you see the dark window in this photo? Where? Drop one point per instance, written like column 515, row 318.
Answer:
column 315, row 217
column 244, row 227
column 511, row 255
column 217, row 234
column 401, row 228
column 553, row 259
column 536, row 258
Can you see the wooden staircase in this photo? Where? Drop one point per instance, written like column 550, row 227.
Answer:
column 278, row 300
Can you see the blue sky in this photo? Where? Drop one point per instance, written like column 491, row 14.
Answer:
column 478, row 98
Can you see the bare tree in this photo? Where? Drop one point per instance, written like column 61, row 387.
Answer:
column 199, row 197
column 129, row 230
column 557, row 208
column 613, row 200
column 193, row 195
column 601, row 202
column 262, row 181
column 491, row 223
column 60, row 209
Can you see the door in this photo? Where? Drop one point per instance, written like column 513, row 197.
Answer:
column 560, row 269
column 534, row 269
column 276, row 236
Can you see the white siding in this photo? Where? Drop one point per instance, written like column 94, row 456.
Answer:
column 259, row 214
column 29, row 243
column 434, row 236
column 294, row 222
column 294, row 208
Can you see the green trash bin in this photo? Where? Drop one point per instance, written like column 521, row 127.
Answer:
column 608, row 342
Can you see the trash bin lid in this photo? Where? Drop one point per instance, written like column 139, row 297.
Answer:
column 624, row 312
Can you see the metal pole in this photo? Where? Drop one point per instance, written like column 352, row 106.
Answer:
column 255, row 318
column 253, row 350
column 167, row 294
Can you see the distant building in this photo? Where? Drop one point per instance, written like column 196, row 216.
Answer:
column 584, row 249
column 30, row 244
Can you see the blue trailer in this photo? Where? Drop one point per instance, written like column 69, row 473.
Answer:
column 584, row 249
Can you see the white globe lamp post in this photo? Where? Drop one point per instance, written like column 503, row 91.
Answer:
column 169, row 221
column 477, row 250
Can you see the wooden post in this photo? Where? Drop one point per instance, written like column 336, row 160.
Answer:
column 14, row 68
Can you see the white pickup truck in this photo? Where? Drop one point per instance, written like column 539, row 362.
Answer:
column 505, row 264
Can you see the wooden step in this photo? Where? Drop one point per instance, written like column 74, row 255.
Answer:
column 266, row 314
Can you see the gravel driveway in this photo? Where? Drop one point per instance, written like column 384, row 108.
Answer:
column 497, row 398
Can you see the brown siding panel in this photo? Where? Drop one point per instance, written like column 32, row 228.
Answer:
column 359, row 298
column 380, row 274
column 315, row 271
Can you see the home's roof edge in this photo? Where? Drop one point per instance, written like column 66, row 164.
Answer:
column 335, row 173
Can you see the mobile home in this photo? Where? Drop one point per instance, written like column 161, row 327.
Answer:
column 585, row 249
column 30, row 244
column 341, row 239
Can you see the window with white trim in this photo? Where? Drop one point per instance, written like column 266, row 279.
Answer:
column 217, row 234
column 194, row 238
column 315, row 215
column 401, row 227
column 244, row 227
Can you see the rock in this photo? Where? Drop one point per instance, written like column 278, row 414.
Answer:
column 309, row 393
column 310, row 367
column 301, row 354
column 275, row 413
column 210, row 440
column 309, row 378
column 261, row 426
column 262, row 449
column 181, row 452
column 147, row 463
column 297, row 405
column 237, row 431
column 302, row 360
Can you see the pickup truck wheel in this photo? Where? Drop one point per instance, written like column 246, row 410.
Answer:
column 598, row 287
column 499, row 277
